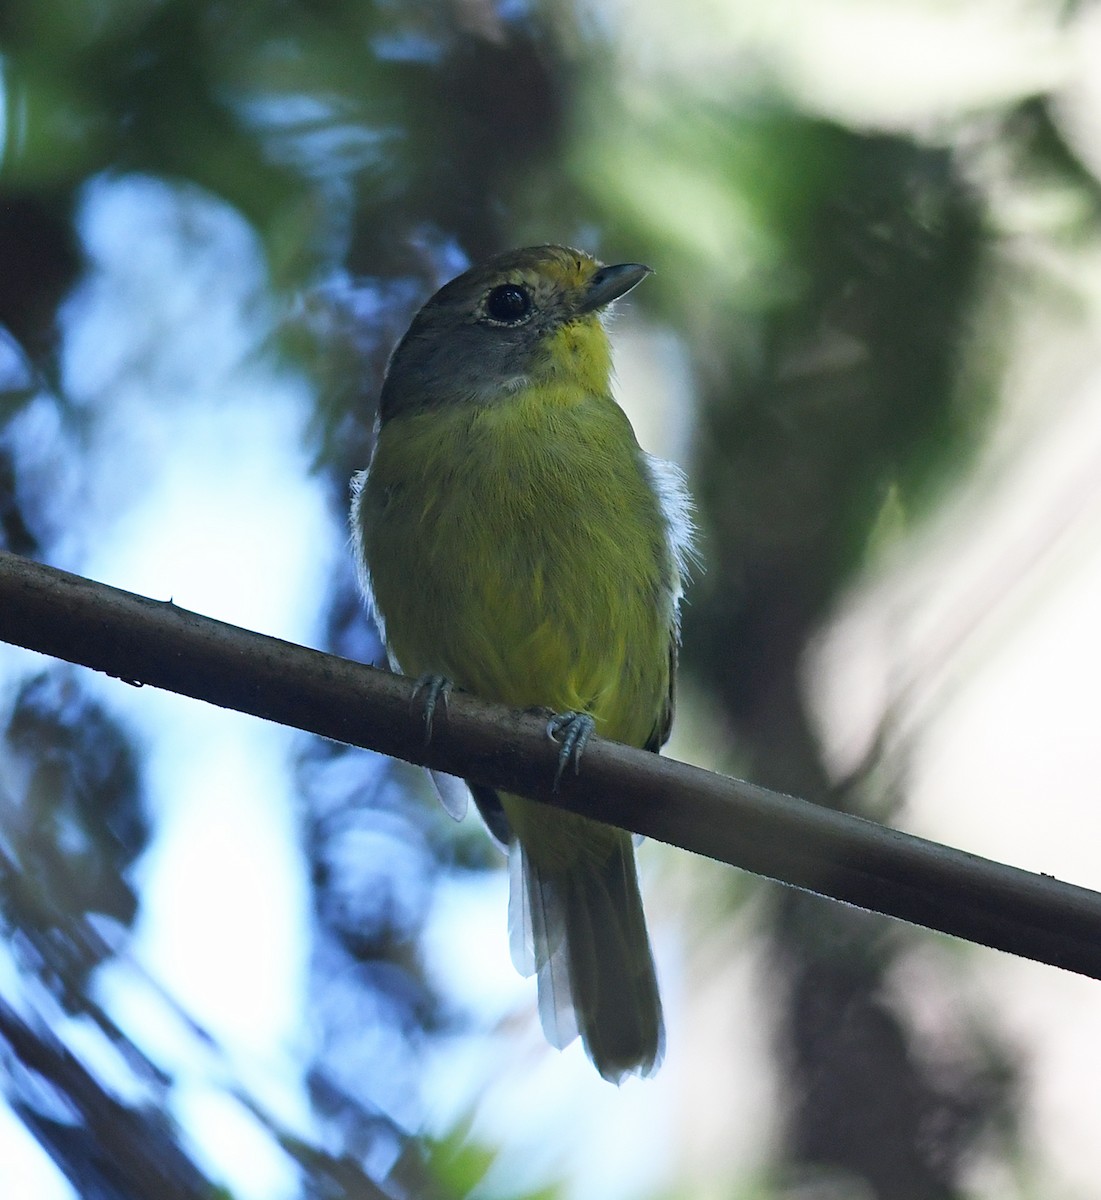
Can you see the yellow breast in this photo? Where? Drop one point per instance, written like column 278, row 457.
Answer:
column 519, row 549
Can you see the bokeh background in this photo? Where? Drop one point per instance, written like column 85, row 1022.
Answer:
column 239, row 962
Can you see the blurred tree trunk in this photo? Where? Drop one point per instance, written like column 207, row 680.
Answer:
column 796, row 462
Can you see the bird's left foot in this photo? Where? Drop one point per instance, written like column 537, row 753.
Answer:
column 572, row 731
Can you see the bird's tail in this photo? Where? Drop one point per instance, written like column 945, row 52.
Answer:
column 578, row 924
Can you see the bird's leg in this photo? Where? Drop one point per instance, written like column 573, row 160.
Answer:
column 572, row 731
column 437, row 691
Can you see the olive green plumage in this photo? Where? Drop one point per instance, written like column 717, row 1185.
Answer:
column 514, row 539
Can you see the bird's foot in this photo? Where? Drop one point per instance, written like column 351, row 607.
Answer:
column 571, row 730
column 436, row 690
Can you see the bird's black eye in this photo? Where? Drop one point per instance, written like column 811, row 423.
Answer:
column 509, row 304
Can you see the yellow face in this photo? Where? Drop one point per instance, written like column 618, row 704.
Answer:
column 525, row 316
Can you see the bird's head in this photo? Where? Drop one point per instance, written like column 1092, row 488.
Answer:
column 526, row 316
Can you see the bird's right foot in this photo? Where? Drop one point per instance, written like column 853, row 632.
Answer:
column 436, row 690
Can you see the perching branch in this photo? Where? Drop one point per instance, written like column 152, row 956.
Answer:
column 850, row 859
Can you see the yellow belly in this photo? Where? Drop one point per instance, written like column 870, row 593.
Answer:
column 518, row 549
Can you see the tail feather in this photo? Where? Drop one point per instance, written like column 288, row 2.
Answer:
column 581, row 926
column 521, row 926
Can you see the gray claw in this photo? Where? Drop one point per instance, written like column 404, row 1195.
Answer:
column 572, row 731
column 437, row 690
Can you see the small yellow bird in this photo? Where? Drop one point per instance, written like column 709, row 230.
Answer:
column 514, row 541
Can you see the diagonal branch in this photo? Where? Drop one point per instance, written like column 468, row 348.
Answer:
column 834, row 854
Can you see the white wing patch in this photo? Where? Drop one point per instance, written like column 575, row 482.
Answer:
column 671, row 489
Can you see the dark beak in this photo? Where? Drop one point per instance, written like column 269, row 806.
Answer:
column 609, row 283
